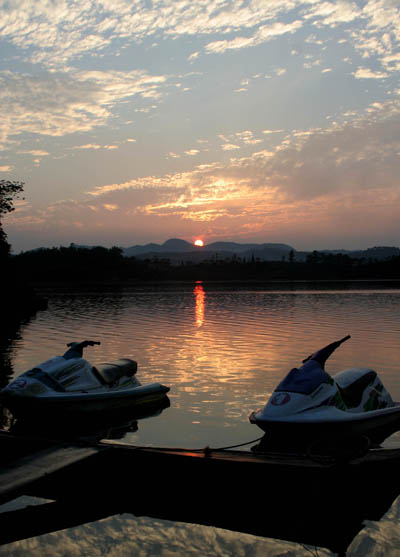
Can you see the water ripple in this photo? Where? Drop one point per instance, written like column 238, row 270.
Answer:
column 221, row 352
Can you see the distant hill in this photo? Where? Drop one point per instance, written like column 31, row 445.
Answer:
column 173, row 245
column 240, row 248
column 378, row 253
column 180, row 250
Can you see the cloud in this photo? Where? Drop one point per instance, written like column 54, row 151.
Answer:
column 229, row 147
column 238, row 140
column 96, row 146
column 36, row 153
column 334, row 13
column 345, row 165
column 61, row 104
column 366, row 73
column 359, row 154
column 193, row 56
column 391, row 61
column 381, row 33
column 247, row 137
column 55, row 34
column 263, row 34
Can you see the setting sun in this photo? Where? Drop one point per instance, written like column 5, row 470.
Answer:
column 199, row 243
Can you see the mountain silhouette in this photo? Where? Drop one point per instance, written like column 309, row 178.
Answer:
column 177, row 249
column 175, row 244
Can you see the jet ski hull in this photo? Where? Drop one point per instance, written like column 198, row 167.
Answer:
column 325, row 423
column 82, row 403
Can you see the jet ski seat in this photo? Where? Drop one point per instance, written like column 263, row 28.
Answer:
column 352, row 393
column 109, row 373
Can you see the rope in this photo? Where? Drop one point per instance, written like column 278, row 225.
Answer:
column 205, row 450
column 210, row 449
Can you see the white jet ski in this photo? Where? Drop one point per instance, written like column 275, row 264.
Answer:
column 310, row 405
column 70, row 384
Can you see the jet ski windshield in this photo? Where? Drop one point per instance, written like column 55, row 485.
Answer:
column 304, row 380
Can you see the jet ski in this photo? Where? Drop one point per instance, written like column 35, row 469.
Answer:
column 70, row 384
column 309, row 404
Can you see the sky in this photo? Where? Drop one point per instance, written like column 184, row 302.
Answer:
column 135, row 121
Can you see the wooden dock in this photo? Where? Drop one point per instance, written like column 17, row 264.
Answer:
column 18, row 474
column 287, row 497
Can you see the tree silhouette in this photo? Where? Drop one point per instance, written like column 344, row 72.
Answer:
column 9, row 190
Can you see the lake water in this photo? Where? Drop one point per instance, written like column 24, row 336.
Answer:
column 221, row 349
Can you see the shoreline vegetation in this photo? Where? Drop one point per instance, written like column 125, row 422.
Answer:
column 76, row 265
column 17, row 297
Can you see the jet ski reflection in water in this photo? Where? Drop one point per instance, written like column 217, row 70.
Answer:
column 69, row 384
column 108, row 424
column 310, row 405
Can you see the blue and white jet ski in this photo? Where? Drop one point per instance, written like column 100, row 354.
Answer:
column 309, row 404
column 70, row 384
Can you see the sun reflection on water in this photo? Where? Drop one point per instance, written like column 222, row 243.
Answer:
column 200, row 297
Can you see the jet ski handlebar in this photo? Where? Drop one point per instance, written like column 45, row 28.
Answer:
column 322, row 355
column 75, row 349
